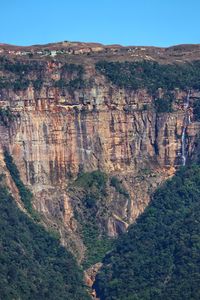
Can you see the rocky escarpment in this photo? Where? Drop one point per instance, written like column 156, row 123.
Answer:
column 61, row 119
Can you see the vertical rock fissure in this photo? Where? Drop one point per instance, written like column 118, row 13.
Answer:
column 156, row 148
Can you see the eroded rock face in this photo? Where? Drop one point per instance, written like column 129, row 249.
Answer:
column 59, row 140
column 57, row 133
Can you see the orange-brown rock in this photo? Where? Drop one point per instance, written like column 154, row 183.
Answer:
column 58, row 132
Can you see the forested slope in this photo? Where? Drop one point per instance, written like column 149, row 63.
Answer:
column 33, row 265
column 159, row 257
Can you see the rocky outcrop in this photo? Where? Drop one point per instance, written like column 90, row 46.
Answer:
column 59, row 131
column 89, row 277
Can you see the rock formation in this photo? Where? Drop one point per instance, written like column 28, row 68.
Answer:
column 55, row 131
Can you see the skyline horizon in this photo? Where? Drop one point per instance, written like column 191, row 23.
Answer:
column 95, row 42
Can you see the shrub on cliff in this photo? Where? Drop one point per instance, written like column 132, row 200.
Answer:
column 6, row 116
column 196, row 110
column 37, row 84
column 20, row 85
column 159, row 256
column 115, row 182
column 163, row 105
column 94, row 178
column 72, row 68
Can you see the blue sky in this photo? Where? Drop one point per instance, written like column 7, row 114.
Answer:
column 126, row 22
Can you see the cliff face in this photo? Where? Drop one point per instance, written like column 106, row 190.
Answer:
column 55, row 131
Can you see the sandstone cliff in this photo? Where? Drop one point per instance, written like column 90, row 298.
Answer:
column 61, row 117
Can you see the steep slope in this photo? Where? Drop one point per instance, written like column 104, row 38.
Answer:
column 33, row 265
column 159, row 256
column 65, row 113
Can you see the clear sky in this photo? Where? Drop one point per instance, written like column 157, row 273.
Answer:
column 126, row 22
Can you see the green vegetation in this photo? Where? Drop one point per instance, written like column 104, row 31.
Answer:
column 151, row 75
column 90, row 216
column 37, row 84
column 72, row 68
column 74, row 84
column 96, row 179
column 20, row 85
column 71, row 77
column 16, row 85
column 20, row 71
column 97, row 244
column 159, row 256
column 115, row 182
column 6, row 116
column 19, row 68
column 4, row 83
column 32, row 263
column 145, row 107
column 196, row 110
column 25, row 194
column 163, row 105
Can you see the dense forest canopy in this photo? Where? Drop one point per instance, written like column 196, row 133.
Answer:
column 159, row 257
column 151, row 75
column 33, row 265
